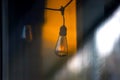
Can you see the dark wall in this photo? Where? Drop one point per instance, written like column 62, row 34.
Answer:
column 91, row 13
column 24, row 56
column 1, row 41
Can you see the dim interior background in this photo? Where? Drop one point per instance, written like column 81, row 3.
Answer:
column 35, row 60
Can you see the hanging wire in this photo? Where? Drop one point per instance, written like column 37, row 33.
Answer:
column 61, row 10
column 52, row 9
column 68, row 3
column 63, row 20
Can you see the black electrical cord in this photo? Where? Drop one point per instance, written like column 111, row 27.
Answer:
column 52, row 9
column 68, row 3
column 61, row 10
column 63, row 20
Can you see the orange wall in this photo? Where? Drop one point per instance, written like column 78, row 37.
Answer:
column 53, row 21
column 50, row 30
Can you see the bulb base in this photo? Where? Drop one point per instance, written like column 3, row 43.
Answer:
column 61, row 53
column 63, row 31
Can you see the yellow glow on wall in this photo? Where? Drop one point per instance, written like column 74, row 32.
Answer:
column 53, row 22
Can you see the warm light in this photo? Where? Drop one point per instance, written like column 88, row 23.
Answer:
column 61, row 46
column 50, row 29
column 53, row 21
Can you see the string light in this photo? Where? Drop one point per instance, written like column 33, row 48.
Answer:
column 61, row 48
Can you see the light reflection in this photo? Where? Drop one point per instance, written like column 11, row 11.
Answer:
column 108, row 34
column 75, row 65
column 78, row 62
column 105, row 41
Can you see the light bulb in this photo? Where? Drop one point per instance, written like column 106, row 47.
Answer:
column 61, row 46
column 27, row 33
